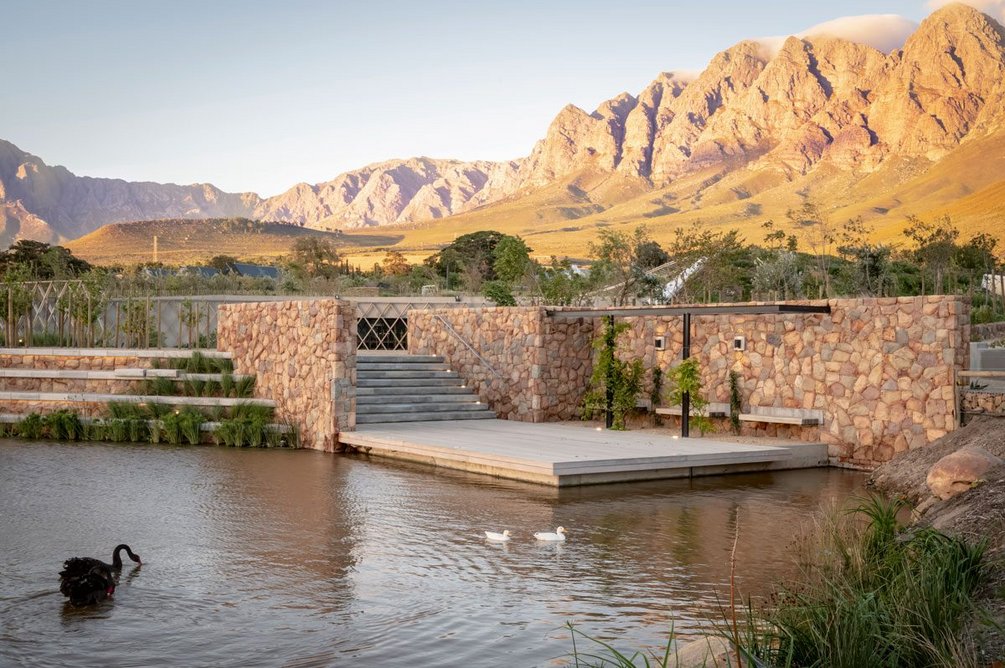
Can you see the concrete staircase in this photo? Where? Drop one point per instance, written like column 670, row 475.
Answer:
column 412, row 388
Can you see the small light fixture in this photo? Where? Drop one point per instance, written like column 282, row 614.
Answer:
column 600, row 428
column 739, row 343
column 660, row 343
column 675, row 437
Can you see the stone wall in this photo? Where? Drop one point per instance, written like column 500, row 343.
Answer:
column 303, row 354
column 977, row 402
column 529, row 367
column 989, row 331
column 881, row 370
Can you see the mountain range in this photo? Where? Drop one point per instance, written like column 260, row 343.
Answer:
column 919, row 130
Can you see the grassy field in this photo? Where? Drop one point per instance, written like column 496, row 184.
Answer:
column 563, row 218
column 194, row 241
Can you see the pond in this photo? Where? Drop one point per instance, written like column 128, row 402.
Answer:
column 299, row 558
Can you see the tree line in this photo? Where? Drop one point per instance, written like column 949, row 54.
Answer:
column 810, row 258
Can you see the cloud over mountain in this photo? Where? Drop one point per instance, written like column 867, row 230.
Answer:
column 884, row 32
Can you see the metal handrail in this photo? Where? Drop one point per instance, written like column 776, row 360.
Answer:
column 460, row 338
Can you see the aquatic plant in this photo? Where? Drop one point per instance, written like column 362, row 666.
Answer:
column 871, row 596
column 194, row 387
column 155, row 429
column 226, row 384
column 244, row 387
column 868, row 593
column 63, row 425
column 117, row 430
column 30, row 426
column 190, row 422
column 160, row 386
column 286, row 436
column 171, row 424
column 600, row 653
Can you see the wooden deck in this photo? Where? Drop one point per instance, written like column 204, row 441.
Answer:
column 568, row 454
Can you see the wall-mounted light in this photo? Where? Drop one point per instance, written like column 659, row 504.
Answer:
column 660, row 343
column 739, row 343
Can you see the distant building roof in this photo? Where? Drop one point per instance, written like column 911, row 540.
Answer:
column 202, row 272
column 256, row 270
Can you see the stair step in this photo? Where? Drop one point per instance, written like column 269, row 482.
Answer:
column 407, row 382
column 423, row 389
column 373, row 375
column 464, row 397
column 394, row 366
column 398, row 359
column 425, row 417
column 453, row 406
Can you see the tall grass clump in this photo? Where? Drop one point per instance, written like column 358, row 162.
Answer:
column 600, row 653
column 64, row 425
column 869, row 595
column 248, row 425
column 30, row 426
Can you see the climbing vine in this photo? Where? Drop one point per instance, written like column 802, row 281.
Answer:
column 619, row 378
column 686, row 377
column 735, row 401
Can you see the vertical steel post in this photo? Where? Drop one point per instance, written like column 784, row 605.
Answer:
column 609, row 381
column 685, row 400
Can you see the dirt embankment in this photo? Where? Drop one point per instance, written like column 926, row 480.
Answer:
column 974, row 515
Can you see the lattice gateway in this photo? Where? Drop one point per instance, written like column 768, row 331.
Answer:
column 81, row 314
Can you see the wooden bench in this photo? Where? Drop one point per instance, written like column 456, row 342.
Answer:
column 712, row 410
column 802, row 417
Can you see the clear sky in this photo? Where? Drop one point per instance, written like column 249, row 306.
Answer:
column 252, row 95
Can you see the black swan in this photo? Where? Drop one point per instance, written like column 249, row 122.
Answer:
column 86, row 581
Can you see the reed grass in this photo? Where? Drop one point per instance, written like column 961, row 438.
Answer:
column 868, row 594
column 875, row 596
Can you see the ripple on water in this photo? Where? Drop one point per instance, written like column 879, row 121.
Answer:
column 263, row 558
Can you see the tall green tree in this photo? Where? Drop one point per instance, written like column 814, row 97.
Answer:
column 935, row 248
column 562, row 285
column 623, row 261
column 39, row 261
column 512, row 261
column 725, row 262
column 868, row 270
column 819, row 236
column 470, row 256
column 316, row 256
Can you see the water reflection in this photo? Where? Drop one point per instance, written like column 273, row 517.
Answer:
column 300, row 558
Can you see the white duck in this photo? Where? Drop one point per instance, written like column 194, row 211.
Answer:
column 559, row 534
column 498, row 537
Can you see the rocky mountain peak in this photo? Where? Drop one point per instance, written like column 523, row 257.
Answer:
column 781, row 110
